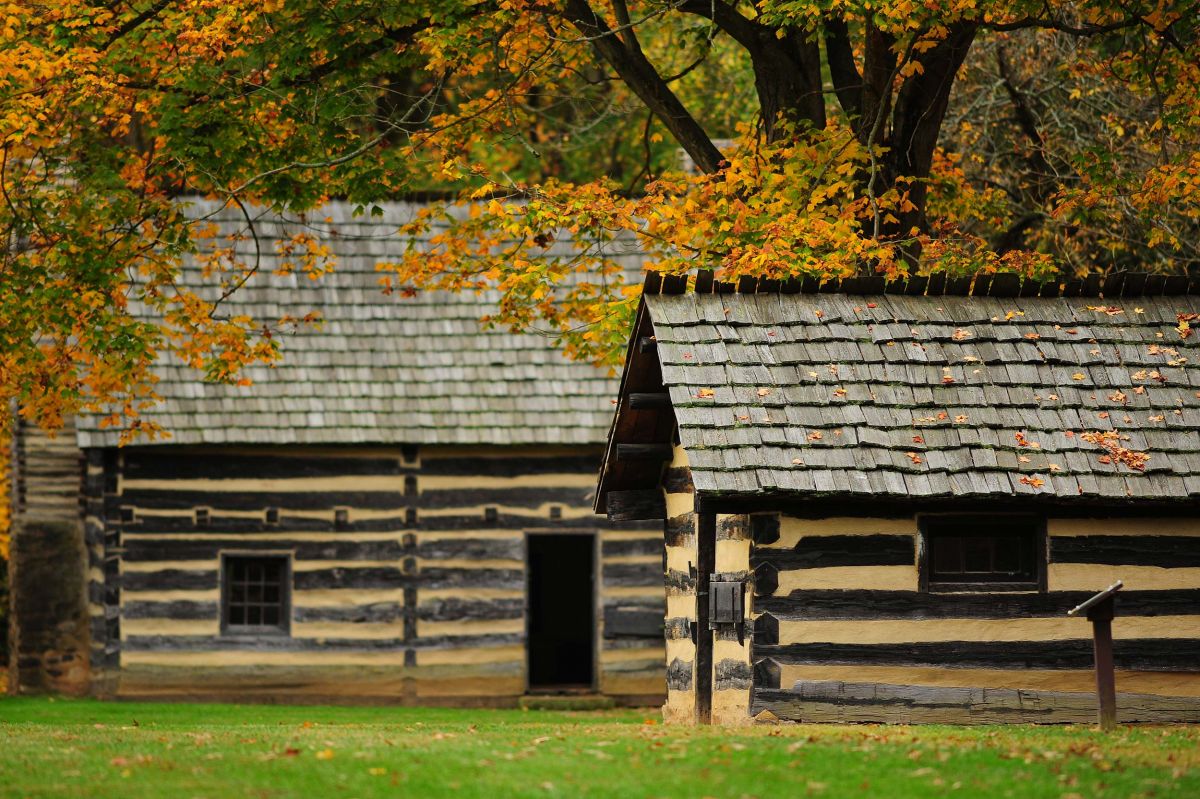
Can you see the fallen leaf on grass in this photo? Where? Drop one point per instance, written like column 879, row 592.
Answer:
column 325, row 754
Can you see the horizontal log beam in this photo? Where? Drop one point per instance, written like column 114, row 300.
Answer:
column 644, row 452
column 649, row 400
column 844, row 702
column 632, row 506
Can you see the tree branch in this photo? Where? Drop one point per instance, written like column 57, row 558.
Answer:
column 640, row 75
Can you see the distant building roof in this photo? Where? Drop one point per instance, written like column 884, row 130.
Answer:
column 903, row 397
column 381, row 369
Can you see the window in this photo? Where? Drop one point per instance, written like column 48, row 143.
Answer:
column 255, row 593
column 982, row 553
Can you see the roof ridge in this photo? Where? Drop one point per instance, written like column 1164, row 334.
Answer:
column 937, row 284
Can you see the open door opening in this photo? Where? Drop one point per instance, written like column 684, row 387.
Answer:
column 562, row 619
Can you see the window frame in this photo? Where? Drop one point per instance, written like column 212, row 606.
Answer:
column 1036, row 525
column 284, row 628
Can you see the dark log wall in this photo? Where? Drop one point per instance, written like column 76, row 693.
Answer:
column 50, row 640
column 408, row 571
column 843, row 633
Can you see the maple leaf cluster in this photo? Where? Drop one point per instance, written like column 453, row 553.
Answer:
column 1110, row 442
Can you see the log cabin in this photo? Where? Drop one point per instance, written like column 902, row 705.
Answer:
column 881, row 499
column 399, row 511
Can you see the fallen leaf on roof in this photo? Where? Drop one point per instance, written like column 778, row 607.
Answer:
column 1023, row 459
column 818, row 313
column 1103, row 414
column 762, row 392
column 1077, row 376
column 872, row 305
column 1069, row 433
column 812, row 374
column 1118, row 396
column 1139, row 389
column 1115, row 451
column 947, row 379
column 705, row 393
column 942, row 416
column 815, row 435
column 1073, row 332
column 1159, row 418
column 1054, row 467
column 1032, row 336
column 839, row 392
column 1034, row 482
column 971, row 358
column 687, row 355
column 1052, row 397
column 918, row 439
column 1185, row 327
column 1139, row 310
column 1008, row 316
column 797, row 462
column 960, row 419
column 1109, row 310
column 959, row 334
column 1177, row 362
column 743, row 418
column 890, row 344
column 914, row 457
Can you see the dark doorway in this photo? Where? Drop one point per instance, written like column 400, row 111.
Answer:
column 561, row 612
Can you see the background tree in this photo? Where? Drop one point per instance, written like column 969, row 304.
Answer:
column 884, row 137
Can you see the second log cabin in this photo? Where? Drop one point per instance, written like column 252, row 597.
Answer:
column 881, row 500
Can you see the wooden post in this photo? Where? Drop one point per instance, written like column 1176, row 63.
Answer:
column 1100, row 611
column 706, row 557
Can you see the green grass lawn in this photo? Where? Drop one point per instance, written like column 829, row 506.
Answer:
column 83, row 748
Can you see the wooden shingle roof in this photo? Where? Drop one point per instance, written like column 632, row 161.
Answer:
column 381, row 369
column 901, row 397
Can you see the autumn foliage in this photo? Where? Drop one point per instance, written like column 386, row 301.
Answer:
column 826, row 138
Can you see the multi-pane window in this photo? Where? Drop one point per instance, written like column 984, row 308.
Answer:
column 255, row 594
column 974, row 551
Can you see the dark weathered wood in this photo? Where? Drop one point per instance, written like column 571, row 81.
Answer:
column 510, row 466
column 622, row 547
column 1167, row 551
column 679, row 529
column 678, row 480
column 481, row 609
column 517, row 497
column 846, row 702
column 142, row 550
column 631, row 574
column 633, row 621
column 867, row 604
column 472, row 548
column 174, row 609
column 1148, row 654
column 284, row 643
column 649, row 400
column 176, row 499
column 170, row 580
column 679, row 675
column 471, row 578
column 706, row 564
column 820, row 551
column 346, row 577
column 651, row 452
column 183, row 463
column 732, row 675
column 373, row 613
column 764, row 529
column 635, row 505
column 647, row 344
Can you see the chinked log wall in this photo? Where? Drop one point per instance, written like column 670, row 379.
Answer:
column 842, row 632
column 416, row 595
